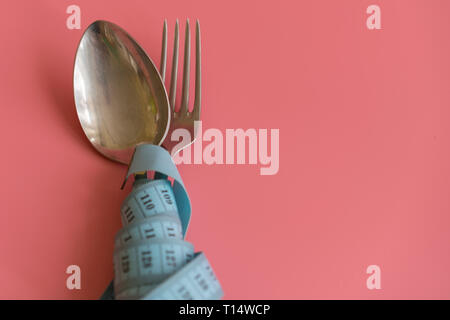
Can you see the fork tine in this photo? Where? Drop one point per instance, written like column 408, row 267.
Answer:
column 173, row 77
column 162, row 68
column 186, row 67
column 198, row 74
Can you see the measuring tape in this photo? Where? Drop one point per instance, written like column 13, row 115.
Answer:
column 151, row 259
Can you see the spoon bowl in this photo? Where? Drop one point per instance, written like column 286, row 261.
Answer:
column 119, row 95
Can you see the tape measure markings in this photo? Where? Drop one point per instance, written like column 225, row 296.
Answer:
column 150, row 251
column 157, row 226
column 149, row 261
column 147, row 200
column 195, row 280
column 165, row 192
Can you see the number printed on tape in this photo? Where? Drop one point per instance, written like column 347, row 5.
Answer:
column 147, row 200
column 157, row 227
column 149, row 262
column 195, row 281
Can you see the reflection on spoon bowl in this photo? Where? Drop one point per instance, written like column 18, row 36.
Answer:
column 119, row 95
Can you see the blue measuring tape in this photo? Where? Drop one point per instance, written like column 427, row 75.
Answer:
column 151, row 259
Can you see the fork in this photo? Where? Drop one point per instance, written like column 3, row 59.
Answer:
column 183, row 118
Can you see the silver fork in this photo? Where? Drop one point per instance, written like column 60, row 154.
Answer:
column 182, row 118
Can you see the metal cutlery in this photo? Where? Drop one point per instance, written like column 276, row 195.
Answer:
column 183, row 118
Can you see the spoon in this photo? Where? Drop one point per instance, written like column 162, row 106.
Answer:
column 119, row 95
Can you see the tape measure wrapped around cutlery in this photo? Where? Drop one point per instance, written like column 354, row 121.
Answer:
column 151, row 259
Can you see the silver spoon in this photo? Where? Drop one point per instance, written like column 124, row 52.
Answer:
column 119, row 95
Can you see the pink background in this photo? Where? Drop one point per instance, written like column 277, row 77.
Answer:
column 364, row 148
